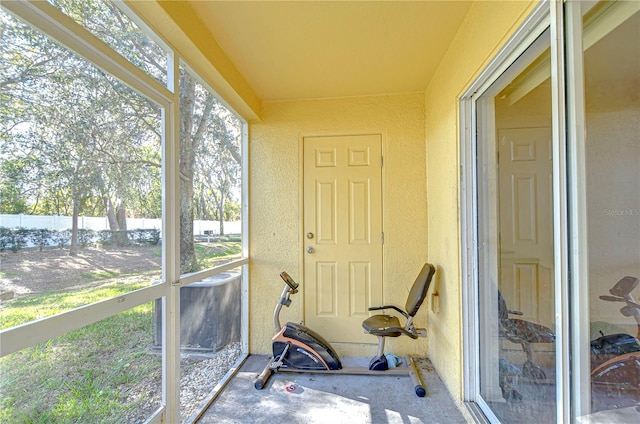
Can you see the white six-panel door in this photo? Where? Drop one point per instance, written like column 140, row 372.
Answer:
column 342, row 234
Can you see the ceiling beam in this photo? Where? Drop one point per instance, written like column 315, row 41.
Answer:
column 180, row 27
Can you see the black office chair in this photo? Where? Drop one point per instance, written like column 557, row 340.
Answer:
column 389, row 325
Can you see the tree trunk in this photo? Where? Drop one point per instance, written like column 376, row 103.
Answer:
column 188, row 260
column 187, row 157
column 221, row 213
column 111, row 215
column 73, row 249
column 121, row 216
column 204, row 211
column 189, row 143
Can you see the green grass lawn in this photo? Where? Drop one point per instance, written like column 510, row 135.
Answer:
column 84, row 376
column 32, row 307
column 223, row 250
column 99, row 373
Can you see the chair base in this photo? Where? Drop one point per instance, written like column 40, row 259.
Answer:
column 379, row 363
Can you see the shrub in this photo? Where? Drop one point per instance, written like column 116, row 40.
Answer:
column 86, row 237
column 61, row 238
column 15, row 239
column 40, row 237
column 5, row 239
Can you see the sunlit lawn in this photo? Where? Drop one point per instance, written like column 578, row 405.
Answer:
column 83, row 376
column 94, row 374
column 32, row 307
column 210, row 254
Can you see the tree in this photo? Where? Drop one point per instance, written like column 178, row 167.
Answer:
column 87, row 144
column 11, row 198
column 219, row 165
column 90, row 133
column 195, row 113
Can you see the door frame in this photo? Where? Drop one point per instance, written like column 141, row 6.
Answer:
column 544, row 15
column 301, row 241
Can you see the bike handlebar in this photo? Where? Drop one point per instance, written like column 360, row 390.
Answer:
column 612, row 298
column 620, row 299
column 287, row 279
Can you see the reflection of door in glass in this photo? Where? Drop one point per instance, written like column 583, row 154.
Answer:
column 526, row 225
column 515, row 241
column 526, row 228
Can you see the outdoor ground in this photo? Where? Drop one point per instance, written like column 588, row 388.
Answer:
column 32, row 271
column 51, row 281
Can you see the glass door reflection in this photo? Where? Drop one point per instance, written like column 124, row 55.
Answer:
column 515, row 231
column 611, row 42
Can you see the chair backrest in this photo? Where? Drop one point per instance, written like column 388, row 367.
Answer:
column 503, row 312
column 419, row 289
column 625, row 286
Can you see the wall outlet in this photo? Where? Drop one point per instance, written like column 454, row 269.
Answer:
column 435, row 303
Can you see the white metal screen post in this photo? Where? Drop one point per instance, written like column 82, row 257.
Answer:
column 245, row 238
column 170, row 248
column 560, row 244
column 577, row 248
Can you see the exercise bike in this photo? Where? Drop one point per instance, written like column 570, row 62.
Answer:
column 615, row 358
column 297, row 348
column 525, row 333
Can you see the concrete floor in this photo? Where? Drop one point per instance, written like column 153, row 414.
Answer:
column 321, row 398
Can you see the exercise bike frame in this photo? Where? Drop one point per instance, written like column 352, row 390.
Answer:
column 297, row 348
column 615, row 358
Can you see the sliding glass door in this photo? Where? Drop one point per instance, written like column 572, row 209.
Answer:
column 515, row 240
column 551, row 219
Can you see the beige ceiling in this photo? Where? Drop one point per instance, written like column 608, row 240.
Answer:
column 317, row 49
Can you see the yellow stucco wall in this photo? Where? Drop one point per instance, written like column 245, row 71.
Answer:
column 485, row 29
column 275, row 202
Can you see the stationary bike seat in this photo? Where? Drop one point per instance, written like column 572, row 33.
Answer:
column 383, row 325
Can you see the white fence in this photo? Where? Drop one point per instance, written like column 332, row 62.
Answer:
column 54, row 222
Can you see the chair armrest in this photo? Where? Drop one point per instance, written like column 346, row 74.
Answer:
column 395, row 308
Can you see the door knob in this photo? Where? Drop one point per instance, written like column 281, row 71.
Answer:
column 309, row 236
column 310, row 249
